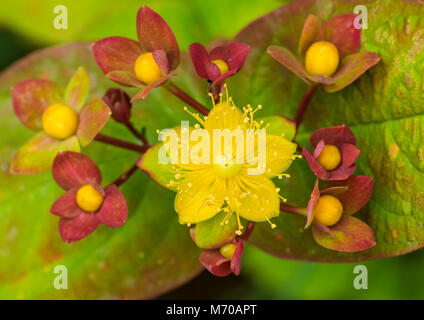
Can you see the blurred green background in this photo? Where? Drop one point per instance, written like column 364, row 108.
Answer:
column 26, row 25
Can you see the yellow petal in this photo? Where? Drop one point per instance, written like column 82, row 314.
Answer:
column 261, row 201
column 278, row 155
column 199, row 201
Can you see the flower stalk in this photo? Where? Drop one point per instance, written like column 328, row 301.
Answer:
column 178, row 92
column 125, row 176
column 137, row 134
column 121, row 143
column 292, row 209
column 304, row 103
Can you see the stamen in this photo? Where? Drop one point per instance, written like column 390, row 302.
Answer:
column 273, row 225
column 240, row 227
column 285, row 175
column 296, row 156
column 282, row 198
column 195, row 116
column 213, row 100
column 227, row 216
column 226, row 93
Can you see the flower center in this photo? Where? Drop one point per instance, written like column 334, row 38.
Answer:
column 89, row 199
column 227, row 250
column 329, row 157
column 59, row 121
column 226, row 167
column 222, row 65
column 322, row 58
column 328, row 211
column 146, row 68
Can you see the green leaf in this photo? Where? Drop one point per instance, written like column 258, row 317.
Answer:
column 38, row 153
column 211, row 234
column 383, row 108
column 77, row 89
column 92, row 118
column 159, row 172
column 279, row 125
column 151, row 254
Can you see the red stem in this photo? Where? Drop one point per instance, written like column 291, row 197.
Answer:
column 292, row 209
column 304, row 103
column 186, row 98
column 125, row 176
column 121, row 143
column 137, row 134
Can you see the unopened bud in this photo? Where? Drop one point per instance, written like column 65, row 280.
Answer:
column 119, row 103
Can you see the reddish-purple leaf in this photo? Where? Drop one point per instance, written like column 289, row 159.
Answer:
column 161, row 60
column 31, row 97
column 351, row 68
column 235, row 265
column 316, row 168
column 357, row 195
column 114, row 211
column 348, row 235
column 199, row 57
column 341, row 32
column 312, row 203
column 333, row 135
column 66, row 206
column 287, row 59
column 77, row 228
column 311, row 33
column 116, row 53
column 125, row 78
column 92, row 118
column 215, row 263
column 73, row 170
column 145, row 91
column 237, row 54
column 155, row 34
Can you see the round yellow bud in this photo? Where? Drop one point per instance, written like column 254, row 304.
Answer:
column 322, row 58
column 59, row 121
column 330, row 157
column 226, row 166
column 328, row 211
column 89, row 199
column 227, row 250
column 222, row 65
column 146, row 69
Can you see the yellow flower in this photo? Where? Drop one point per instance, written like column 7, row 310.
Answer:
column 225, row 184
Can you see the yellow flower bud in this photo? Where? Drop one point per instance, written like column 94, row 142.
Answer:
column 328, row 211
column 322, row 58
column 329, row 157
column 146, row 69
column 89, row 199
column 59, row 121
column 222, row 65
column 227, row 250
